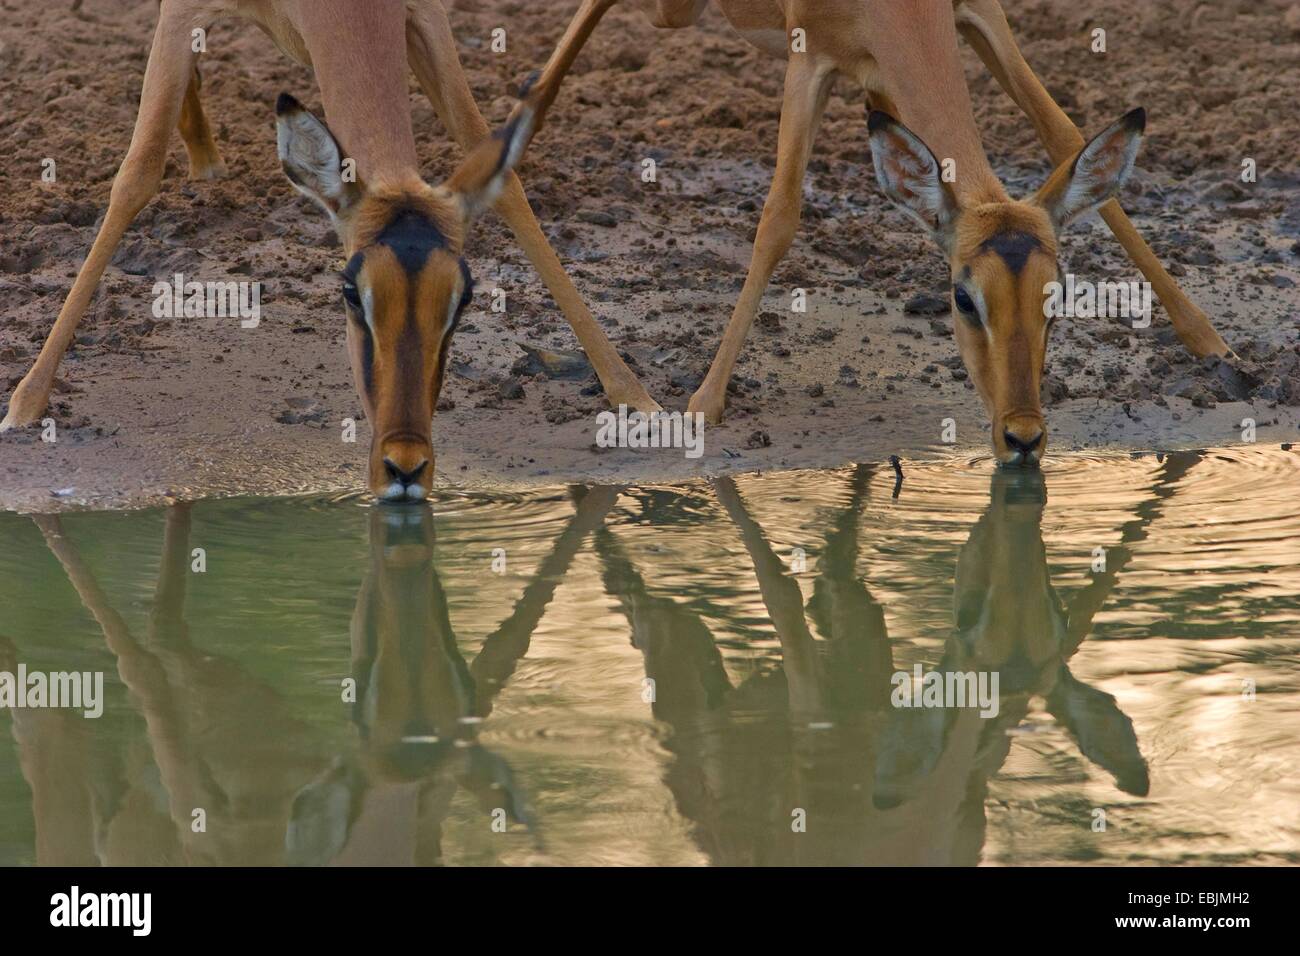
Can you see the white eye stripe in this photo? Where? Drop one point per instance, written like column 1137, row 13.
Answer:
column 368, row 308
column 981, row 310
column 452, row 308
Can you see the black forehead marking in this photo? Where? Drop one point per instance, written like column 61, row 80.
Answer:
column 412, row 236
column 1013, row 246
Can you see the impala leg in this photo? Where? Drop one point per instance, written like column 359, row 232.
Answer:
column 985, row 27
column 160, row 698
column 53, row 756
column 167, row 615
column 1090, row 599
column 166, row 80
column 805, row 674
column 502, row 649
column 433, row 58
column 807, row 83
column 205, row 158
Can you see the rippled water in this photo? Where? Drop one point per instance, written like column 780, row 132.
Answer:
column 673, row 675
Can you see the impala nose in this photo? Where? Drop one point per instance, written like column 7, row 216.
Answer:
column 405, row 484
column 1025, row 439
column 1023, row 445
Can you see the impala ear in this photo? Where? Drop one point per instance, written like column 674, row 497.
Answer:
column 909, row 174
column 321, row 816
column 1096, row 174
column 1104, row 732
column 481, row 177
column 910, row 747
column 311, row 158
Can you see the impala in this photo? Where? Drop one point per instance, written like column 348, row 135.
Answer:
column 406, row 281
column 904, row 55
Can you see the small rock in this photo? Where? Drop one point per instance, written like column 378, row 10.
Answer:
column 926, row 303
column 597, row 217
column 553, row 363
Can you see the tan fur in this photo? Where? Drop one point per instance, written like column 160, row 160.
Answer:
column 904, row 55
column 1006, row 361
column 360, row 54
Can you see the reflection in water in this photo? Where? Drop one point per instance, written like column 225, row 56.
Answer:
column 415, row 706
column 699, row 674
column 884, row 784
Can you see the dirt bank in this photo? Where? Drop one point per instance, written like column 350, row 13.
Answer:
column 202, row 406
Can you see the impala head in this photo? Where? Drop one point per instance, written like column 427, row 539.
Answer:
column 1005, row 611
column 1003, row 256
column 406, row 281
column 413, row 692
column 1008, row 620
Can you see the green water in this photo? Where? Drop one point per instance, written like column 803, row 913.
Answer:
column 672, row 675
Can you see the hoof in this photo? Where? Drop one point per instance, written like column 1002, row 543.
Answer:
column 10, row 422
column 637, row 403
column 24, row 409
column 634, row 396
column 209, row 171
column 709, row 405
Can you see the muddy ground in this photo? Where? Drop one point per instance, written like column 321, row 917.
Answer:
column 201, row 406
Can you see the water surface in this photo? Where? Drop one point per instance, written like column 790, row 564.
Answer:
column 673, row 675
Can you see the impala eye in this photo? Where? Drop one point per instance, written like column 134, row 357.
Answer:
column 964, row 302
column 351, row 296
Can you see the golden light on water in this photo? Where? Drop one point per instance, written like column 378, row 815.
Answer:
column 680, row 675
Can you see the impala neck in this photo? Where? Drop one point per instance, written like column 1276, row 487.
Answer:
column 915, row 48
column 358, row 51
